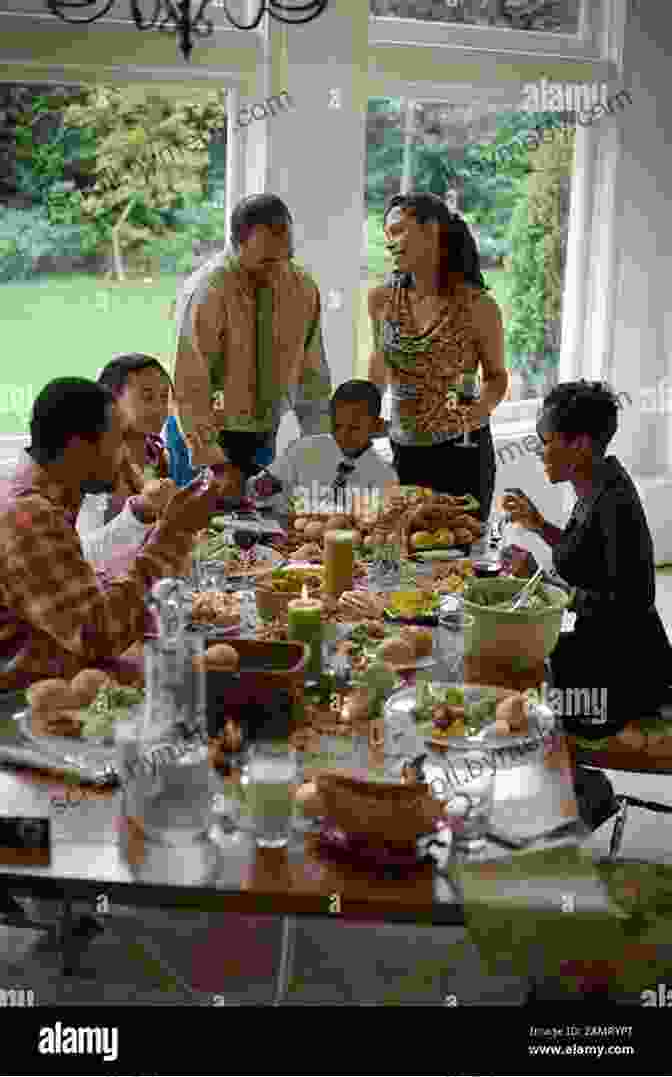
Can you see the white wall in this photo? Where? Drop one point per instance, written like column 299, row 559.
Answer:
column 315, row 161
column 639, row 353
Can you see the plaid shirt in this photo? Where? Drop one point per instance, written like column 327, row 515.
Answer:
column 57, row 616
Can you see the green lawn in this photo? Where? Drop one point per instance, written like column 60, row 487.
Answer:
column 55, row 326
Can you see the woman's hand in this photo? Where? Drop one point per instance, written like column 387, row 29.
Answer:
column 523, row 511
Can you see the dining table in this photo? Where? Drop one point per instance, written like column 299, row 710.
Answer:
column 537, row 860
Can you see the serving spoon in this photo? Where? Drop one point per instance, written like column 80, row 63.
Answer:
column 522, row 599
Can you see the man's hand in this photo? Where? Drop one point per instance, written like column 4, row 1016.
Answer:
column 190, row 509
column 228, row 480
column 204, row 453
column 156, row 494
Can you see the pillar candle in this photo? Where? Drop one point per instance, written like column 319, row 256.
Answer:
column 305, row 624
column 338, row 562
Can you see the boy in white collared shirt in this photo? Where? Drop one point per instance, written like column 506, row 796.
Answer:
column 327, row 472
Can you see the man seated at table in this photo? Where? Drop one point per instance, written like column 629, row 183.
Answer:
column 56, row 615
column 325, row 470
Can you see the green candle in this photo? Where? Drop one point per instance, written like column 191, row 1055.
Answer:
column 305, row 624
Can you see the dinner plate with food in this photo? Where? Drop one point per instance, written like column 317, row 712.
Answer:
column 371, row 641
column 452, row 716
column 413, row 607
column 74, row 721
column 216, row 613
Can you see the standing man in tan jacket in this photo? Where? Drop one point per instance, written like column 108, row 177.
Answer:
column 250, row 344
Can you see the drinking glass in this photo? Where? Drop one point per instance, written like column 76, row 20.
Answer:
column 167, row 773
column 467, row 394
column 467, row 788
column 272, row 772
column 450, row 641
column 385, row 569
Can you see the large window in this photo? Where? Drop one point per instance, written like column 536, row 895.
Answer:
column 479, row 157
column 551, row 16
column 103, row 213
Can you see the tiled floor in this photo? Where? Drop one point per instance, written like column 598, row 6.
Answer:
column 168, row 958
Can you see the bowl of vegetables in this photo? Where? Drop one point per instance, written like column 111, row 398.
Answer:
column 522, row 637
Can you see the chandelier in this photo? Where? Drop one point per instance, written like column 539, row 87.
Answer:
column 177, row 16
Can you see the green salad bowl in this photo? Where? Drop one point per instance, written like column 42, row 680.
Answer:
column 523, row 638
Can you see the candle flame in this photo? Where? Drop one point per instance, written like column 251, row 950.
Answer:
column 304, row 592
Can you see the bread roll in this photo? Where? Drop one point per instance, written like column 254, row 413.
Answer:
column 85, row 686
column 397, row 651
column 222, row 657
column 314, row 530
column 50, row 695
column 513, row 711
column 309, row 799
column 337, row 523
column 420, row 639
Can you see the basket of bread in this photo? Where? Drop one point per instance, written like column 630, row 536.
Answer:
column 385, row 813
column 443, row 522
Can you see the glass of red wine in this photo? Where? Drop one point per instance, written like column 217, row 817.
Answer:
column 245, row 539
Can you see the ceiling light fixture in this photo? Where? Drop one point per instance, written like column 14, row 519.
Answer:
column 184, row 17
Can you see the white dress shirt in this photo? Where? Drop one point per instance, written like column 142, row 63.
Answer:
column 104, row 543
column 309, row 467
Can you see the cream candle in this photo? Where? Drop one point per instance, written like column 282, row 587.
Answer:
column 338, row 562
column 305, row 624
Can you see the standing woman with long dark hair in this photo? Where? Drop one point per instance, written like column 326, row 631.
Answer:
column 436, row 332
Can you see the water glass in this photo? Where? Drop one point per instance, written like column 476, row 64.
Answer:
column 248, row 611
column 167, row 771
column 272, row 773
column 385, row 568
column 467, row 788
column 452, row 639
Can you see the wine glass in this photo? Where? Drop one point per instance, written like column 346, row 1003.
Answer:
column 467, row 394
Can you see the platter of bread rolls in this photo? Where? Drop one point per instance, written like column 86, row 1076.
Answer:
column 73, row 721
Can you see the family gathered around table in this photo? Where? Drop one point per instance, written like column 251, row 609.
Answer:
column 123, row 476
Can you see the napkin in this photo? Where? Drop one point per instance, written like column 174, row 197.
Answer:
column 539, row 908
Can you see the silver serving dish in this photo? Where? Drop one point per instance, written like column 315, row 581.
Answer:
column 400, row 707
column 93, row 758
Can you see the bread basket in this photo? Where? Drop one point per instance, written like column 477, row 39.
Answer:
column 384, row 813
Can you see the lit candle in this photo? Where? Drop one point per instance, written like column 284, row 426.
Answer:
column 305, row 624
column 338, row 562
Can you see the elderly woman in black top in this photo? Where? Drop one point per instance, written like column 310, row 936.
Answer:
column 606, row 553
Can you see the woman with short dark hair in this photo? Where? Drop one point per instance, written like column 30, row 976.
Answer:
column 605, row 551
column 435, row 328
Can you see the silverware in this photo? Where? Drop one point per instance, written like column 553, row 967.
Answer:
column 522, row 598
